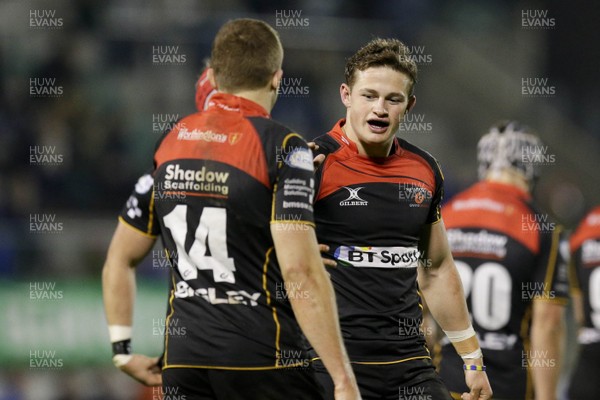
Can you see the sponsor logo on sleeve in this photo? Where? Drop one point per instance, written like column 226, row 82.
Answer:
column 297, row 157
column 144, row 184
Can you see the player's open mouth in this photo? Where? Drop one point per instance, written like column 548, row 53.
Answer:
column 378, row 126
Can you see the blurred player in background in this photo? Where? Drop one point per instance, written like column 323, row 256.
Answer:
column 225, row 163
column 514, row 278
column 585, row 282
column 377, row 207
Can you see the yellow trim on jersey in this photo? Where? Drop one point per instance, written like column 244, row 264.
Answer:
column 382, row 362
column 289, row 136
column 273, row 308
column 574, row 285
column 438, row 220
column 171, row 297
column 285, row 139
column 231, row 368
column 273, row 200
column 455, row 396
column 552, row 259
column 151, row 212
column 141, row 232
column 563, row 301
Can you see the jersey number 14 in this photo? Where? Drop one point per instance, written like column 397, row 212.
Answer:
column 210, row 235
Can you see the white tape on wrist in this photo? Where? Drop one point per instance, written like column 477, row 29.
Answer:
column 121, row 359
column 118, row 333
column 459, row 336
column 476, row 354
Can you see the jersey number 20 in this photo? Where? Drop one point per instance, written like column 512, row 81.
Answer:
column 490, row 287
column 212, row 226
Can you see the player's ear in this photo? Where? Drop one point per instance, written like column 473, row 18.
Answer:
column 412, row 100
column 345, row 94
column 276, row 80
column 210, row 73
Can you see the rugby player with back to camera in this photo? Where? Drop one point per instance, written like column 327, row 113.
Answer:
column 585, row 281
column 377, row 207
column 228, row 262
column 514, row 277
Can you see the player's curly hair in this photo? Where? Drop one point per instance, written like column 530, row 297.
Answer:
column 380, row 52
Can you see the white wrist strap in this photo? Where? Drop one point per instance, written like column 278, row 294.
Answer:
column 459, row 336
column 118, row 333
column 121, row 359
column 476, row 354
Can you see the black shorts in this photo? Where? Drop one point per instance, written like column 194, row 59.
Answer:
column 215, row 384
column 414, row 379
column 583, row 384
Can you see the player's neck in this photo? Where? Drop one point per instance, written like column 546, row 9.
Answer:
column 508, row 177
column 263, row 98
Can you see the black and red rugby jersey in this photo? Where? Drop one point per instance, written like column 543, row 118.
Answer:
column 370, row 212
column 221, row 177
column 507, row 254
column 585, row 273
column 138, row 210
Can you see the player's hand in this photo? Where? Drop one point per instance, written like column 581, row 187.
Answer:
column 318, row 160
column 479, row 384
column 323, row 248
column 143, row 369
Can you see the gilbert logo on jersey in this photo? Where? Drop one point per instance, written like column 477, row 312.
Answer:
column 378, row 257
column 353, row 198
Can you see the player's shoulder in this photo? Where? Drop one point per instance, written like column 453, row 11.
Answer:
column 421, row 155
column 270, row 128
column 327, row 144
column 588, row 228
column 176, row 127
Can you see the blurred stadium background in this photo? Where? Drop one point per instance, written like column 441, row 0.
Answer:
column 86, row 88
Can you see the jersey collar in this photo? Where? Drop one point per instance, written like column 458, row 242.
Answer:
column 232, row 103
column 506, row 188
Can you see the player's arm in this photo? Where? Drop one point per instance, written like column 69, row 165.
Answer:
column 440, row 284
column 315, row 307
column 547, row 330
column 127, row 248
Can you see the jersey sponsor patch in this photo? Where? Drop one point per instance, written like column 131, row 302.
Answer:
column 198, row 180
column 590, row 252
column 196, row 134
column 378, row 257
column 479, row 204
column 482, row 243
column 300, row 158
column 144, row 184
